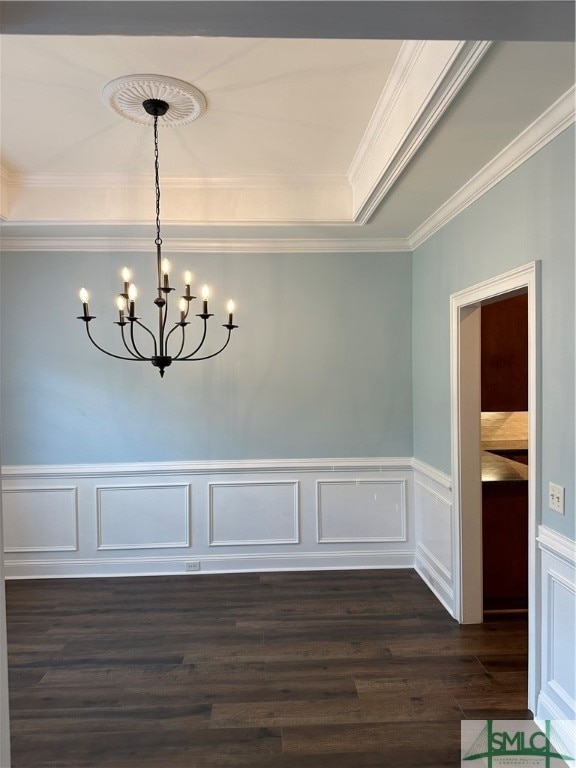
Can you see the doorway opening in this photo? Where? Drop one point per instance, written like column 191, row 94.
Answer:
column 504, row 453
column 467, row 439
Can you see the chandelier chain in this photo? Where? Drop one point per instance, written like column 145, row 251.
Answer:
column 158, row 240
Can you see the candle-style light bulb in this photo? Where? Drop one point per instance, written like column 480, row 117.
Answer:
column 183, row 307
column 205, row 297
column 165, row 271
column 187, row 282
column 132, row 294
column 84, row 296
column 126, row 277
column 230, row 308
column 121, row 304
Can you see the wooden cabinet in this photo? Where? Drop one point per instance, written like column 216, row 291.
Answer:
column 504, row 355
column 505, row 545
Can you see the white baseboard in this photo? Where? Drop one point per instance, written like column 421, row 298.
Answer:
column 162, row 566
column 434, row 581
column 563, row 735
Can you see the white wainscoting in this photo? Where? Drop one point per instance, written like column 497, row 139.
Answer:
column 254, row 512
column 40, row 519
column 145, row 519
column 143, row 516
column 434, row 532
column 557, row 699
column 358, row 511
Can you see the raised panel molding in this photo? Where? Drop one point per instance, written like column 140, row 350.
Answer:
column 355, row 509
column 434, row 532
column 434, row 527
column 127, row 516
column 136, row 518
column 40, row 519
column 557, row 698
column 252, row 506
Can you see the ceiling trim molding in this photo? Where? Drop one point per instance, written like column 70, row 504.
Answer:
column 559, row 116
column 174, row 181
column 5, row 181
column 403, row 65
column 181, row 245
column 425, row 80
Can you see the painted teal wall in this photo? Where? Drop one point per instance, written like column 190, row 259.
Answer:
column 529, row 216
column 320, row 366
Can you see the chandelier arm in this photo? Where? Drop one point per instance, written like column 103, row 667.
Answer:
column 134, row 355
column 111, row 354
column 177, row 357
column 170, row 332
column 207, row 357
column 132, row 323
column 199, row 347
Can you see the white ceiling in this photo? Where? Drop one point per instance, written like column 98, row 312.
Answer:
column 274, row 106
column 336, row 139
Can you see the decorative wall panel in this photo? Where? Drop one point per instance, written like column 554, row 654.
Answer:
column 40, row 519
column 254, row 513
column 143, row 516
column 355, row 511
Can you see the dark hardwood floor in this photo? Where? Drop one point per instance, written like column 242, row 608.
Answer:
column 346, row 669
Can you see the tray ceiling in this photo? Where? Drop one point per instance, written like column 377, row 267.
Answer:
column 307, row 132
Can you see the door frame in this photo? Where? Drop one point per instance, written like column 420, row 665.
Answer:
column 465, row 432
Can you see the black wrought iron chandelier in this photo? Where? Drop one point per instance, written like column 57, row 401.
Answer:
column 168, row 345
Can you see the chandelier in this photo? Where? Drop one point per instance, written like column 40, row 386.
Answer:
column 169, row 344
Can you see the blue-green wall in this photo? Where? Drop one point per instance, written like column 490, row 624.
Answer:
column 529, row 216
column 323, row 363
column 320, row 366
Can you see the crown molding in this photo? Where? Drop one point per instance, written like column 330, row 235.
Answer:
column 239, row 245
column 176, row 181
column 559, row 116
column 403, row 65
column 425, row 80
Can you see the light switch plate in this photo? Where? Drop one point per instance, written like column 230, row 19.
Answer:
column 556, row 497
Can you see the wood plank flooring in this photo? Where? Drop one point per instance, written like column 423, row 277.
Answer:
column 346, row 669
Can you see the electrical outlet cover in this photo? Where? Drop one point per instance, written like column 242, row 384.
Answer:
column 556, row 497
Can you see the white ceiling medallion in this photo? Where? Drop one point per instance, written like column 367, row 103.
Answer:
column 125, row 95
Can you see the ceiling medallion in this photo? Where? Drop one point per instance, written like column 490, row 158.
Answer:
column 139, row 342
column 125, row 96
